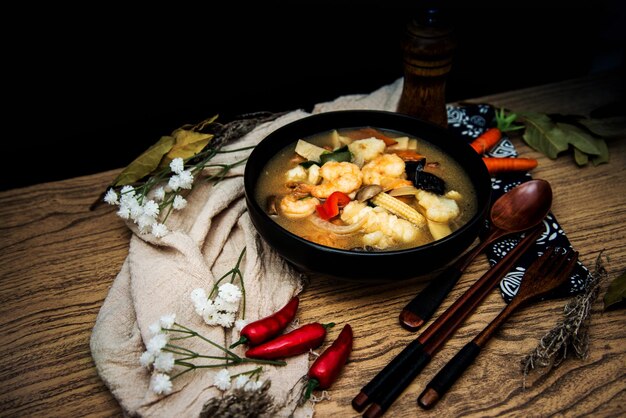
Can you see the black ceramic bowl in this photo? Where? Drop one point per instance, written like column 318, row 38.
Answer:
column 373, row 266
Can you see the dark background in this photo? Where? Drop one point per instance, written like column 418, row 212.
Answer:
column 88, row 90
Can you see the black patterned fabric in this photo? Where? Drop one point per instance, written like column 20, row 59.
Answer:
column 469, row 121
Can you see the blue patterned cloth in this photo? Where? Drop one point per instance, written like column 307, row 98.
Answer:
column 469, row 121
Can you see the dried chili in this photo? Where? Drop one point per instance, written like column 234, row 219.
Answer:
column 296, row 342
column 326, row 368
column 266, row 328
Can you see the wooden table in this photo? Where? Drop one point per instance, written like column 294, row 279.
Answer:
column 59, row 260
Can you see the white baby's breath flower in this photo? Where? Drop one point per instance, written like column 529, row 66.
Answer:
column 164, row 362
column 198, row 294
column 253, row 385
column 146, row 359
column 177, row 165
column 222, row 380
column 210, row 315
column 240, row 381
column 174, row 182
column 159, row 194
column 160, row 383
column 156, row 343
column 240, row 323
column 136, row 210
column 199, row 300
column 144, row 222
column 159, row 230
column 185, row 179
column 155, row 328
column 167, row 321
column 230, row 292
column 128, row 191
column 179, row 202
column 224, row 306
column 123, row 212
column 151, row 208
column 225, row 319
column 111, row 197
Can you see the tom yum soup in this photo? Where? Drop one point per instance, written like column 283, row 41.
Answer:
column 366, row 189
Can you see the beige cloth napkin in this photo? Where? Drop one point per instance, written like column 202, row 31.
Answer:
column 158, row 276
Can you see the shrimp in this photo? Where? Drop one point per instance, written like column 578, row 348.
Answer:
column 295, row 207
column 386, row 170
column 381, row 228
column 336, row 176
column 438, row 208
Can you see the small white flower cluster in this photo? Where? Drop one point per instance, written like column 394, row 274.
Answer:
column 145, row 212
column 223, row 381
column 161, row 362
column 223, row 309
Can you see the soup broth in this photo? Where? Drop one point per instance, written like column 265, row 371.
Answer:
column 299, row 186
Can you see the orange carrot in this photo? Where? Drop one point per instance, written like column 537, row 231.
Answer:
column 503, row 165
column 487, row 140
column 408, row 155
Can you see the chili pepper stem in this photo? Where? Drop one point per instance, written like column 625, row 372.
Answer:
column 310, row 387
column 329, row 325
column 241, row 340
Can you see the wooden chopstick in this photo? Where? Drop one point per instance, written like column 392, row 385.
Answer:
column 389, row 383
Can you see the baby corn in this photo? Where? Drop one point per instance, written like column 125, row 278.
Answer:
column 399, row 208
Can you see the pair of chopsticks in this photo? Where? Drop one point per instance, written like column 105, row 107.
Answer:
column 391, row 381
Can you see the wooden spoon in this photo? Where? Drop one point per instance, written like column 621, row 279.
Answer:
column 519, row 209
column 543, row 276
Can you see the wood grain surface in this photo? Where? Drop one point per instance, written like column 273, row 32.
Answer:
column 59, row 259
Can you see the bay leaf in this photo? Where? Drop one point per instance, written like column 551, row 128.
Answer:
column 146, row 163
column 543, row 135
column 604, row 154
column 615, row 295
column 580, row 139
column 580, row 157
column 187, row 144
column 613, row 127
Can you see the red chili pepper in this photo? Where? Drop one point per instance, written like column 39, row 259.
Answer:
column 265, row 328
column 330, row 208
column 296, row 342
column 329, row 364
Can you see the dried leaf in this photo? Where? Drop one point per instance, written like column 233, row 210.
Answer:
column 146, row 163
column 580, row 139
column 613, row 127
column 615, row 295
column 543, row 135
column 188, row 143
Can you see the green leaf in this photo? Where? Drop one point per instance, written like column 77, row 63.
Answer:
column 580, row 139
column 615, row 295
column 613, row 127
column 146, row 163
column 580, row 157
column 604, row 154
column 543, row 135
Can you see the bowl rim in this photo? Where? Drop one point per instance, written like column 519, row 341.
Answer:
column 250, row 181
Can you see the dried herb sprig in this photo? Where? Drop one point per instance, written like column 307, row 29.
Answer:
column 572, row 333
column 241, row 403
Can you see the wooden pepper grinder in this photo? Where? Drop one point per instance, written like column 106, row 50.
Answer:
column 428, row 45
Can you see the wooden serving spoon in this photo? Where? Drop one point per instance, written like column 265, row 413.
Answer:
column 544, row 275
column 518, row 210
